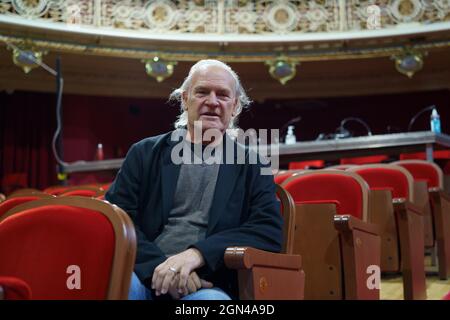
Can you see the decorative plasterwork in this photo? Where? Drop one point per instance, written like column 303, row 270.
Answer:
column 256, row 17
column 397, row 12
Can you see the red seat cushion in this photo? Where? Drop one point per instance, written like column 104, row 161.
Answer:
column 39, row 244
column 331, row 188
column 386, row 178
column 423, row 171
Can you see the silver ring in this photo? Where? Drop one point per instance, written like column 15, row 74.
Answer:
column 173, row 269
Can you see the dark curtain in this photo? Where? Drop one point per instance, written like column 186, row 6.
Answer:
column 27, row 123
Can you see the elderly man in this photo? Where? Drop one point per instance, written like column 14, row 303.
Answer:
column 186, row 214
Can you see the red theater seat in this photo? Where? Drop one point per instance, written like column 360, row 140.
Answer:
column 14, row 201
column 69, row 248
column 302, row 165
column 438, row 154
column 401, row 224
column 364, row 160
column 56, row 190
column 332, row 235
column 436, row 204
column 83, row 191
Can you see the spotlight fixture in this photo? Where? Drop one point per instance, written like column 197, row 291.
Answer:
column 158, row 68
column 26, row 56
column 282, row 69
column 409, row 62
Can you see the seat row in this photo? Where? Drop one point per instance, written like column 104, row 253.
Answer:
column 405, row 203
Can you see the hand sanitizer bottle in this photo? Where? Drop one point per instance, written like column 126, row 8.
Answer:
column 435, row 122
column 290, row 137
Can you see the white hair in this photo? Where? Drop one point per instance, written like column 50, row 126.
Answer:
column 243, row 100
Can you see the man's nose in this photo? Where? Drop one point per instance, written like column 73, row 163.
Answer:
column 212, row 99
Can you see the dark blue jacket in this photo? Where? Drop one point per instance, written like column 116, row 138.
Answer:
column 244, row 211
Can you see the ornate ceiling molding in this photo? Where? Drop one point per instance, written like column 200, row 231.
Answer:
column 232, row 30
column 230, row 20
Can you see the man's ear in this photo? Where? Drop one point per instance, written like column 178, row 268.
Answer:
column 184, row 96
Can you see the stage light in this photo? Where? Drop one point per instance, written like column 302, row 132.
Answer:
column 158, row 68
column 26, row 56
column 282, row 69
column 409, row 62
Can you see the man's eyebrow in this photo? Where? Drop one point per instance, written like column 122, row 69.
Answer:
column 222, row 90
column 200, row 88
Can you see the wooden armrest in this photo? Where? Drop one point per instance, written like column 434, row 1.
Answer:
column 247, row 257
column 405, row 204
column 346, row 223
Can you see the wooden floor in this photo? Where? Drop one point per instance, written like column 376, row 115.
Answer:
column 392, row 286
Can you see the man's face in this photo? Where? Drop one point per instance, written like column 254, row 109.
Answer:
column 211, row 99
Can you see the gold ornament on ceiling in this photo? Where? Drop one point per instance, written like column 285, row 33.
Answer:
column 26, row 56
column 406, row 7
column 282, row 69
column 409, row 62
column 158, row 68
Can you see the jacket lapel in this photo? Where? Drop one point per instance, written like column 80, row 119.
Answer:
column 169, row 178
column 226, row 180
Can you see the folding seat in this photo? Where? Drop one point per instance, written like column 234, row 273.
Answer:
column 15, row 200
column 401, row 224
column 69, row 248
column 12, row 288
column 83, row 191
column 364, row 160
column 442, row 157
column 270, row 276
column 339, row 248
column 429, row 181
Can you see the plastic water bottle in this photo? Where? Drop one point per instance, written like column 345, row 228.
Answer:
column 435, row 121
column 290, row 137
